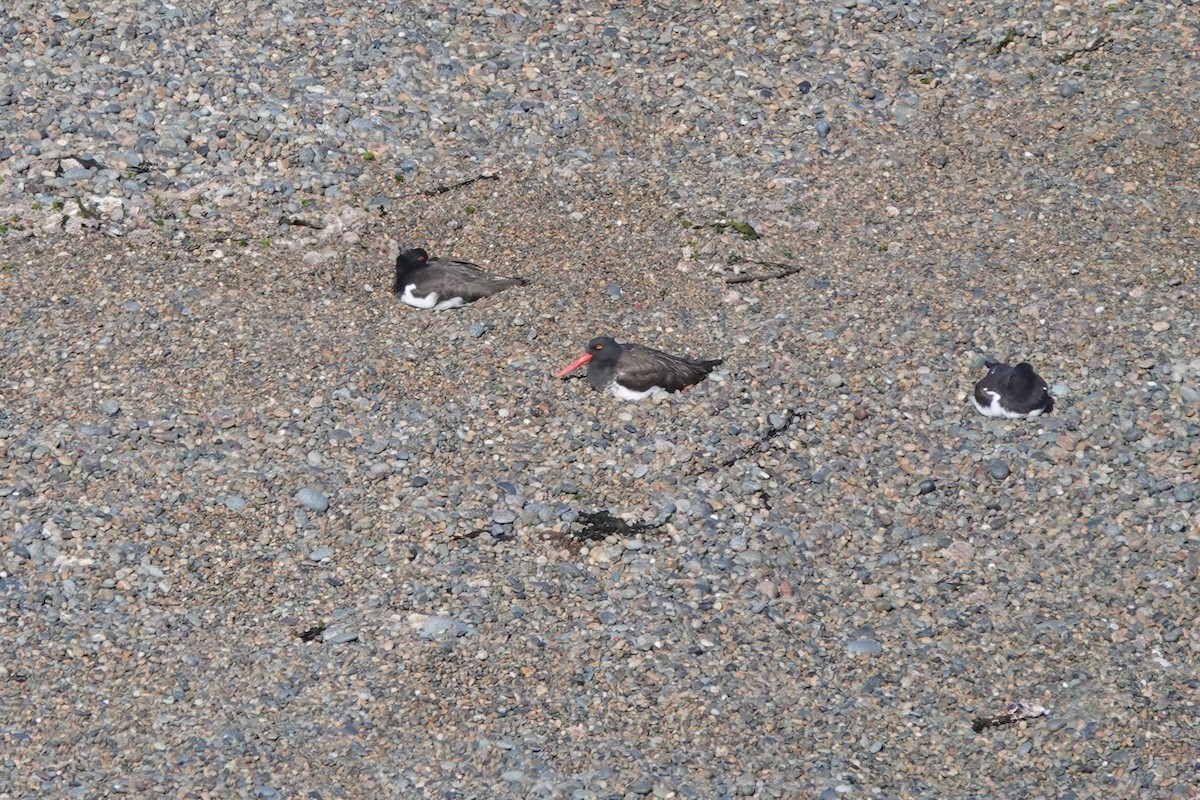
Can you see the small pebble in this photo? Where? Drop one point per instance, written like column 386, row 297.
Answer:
column 312, row 499
column 864, row 647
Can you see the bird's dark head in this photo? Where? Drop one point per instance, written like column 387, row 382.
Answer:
column 1033, row 384
column 412, row 259
column 408, row 262
column 601, row 350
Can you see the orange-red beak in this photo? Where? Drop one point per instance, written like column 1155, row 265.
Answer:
column 574, row 365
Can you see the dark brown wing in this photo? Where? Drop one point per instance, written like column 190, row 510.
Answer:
column 463, row 279
column 643, row 368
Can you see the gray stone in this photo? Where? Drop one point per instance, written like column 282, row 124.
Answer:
column 321, row 553
column 643, row 787
column 235, row 504
column 312, row 499
column 904, row 114
column 834, row 380
column 435, row 626
column 867, row 647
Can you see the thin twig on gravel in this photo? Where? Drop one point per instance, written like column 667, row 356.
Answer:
column 790, row 416
column 781, row 271
column 300, row 222
column 1090, row 47
column 442, row 188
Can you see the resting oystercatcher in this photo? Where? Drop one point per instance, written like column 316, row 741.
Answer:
column 423, row 282
column 1011, row 392
column 634, row 372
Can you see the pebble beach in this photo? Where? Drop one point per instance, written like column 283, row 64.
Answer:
column 266, row 532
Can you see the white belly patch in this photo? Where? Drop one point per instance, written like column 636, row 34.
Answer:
column 621, row 393
column 428, row 301
column 994, row 409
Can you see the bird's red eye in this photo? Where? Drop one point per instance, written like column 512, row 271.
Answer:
column 598, row 347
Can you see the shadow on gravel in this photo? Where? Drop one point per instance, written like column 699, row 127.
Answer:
column 596, row 526
column 311, row 634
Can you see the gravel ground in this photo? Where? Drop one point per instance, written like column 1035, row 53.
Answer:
column 269, row 533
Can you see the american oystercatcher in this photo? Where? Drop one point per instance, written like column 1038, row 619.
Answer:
column 634, row 372
column 423, row 282
column 1011, row 392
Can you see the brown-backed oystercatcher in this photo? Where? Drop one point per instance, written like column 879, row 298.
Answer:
column 634, row 372
column 1011, row 392
column 435, row 284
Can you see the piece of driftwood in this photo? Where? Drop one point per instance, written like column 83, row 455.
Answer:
column 1092, row 46
column 781, row 270
column 442, row 188
column 1021, row 709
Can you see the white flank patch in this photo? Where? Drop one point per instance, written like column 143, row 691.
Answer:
column 428, row 301
column 994, row 409
column 620, row 392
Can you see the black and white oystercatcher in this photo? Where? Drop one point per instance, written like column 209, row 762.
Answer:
column 634, row 372
column 423, row 282
column 1011, row 392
